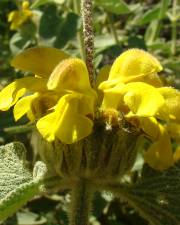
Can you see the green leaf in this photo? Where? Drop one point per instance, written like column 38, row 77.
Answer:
column 49, row 22
column 18, row 43
column 67, row 30
column 156, row 13
column 156, row 196
column 148, row 16
column 114, row 6
column 38, row 3
column 136, row 42
column 151, row 32
column 17, row 184
column 164, row 8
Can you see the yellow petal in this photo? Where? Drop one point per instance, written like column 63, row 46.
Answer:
column 43, row 104
column 152, row 79
column 25, row 5
column 133, row 64
column 70, row 74
column 177, row 154
column 40, row 60
column 23, row 106
column 142, row 99
column 159, row 155
column 151, row 127
column 18, row 17
column 113, row 97
column 66, row 122
column 11, row 16
column 174, row 131
column 103, row 74
column 172, row 106
column 11, row 93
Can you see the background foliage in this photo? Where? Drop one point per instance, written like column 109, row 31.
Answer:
column 151, row 25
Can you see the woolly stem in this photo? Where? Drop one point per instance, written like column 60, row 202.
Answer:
column 88, row 33
column 80, row 207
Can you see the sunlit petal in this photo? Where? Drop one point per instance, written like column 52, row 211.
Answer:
column 174, row 130
column 142, row 99
column 23, row 106
column 151, row 127
column 133, row 64
column 70, row 74
column 172, row 100
column 103, row 74
column 12, row 92
column 66, row 122
column 159, row 155
column 113, row 97
column 39, row 60
column 177, row 154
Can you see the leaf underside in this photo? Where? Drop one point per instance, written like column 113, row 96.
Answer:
column 156, row 196
column 17, row 184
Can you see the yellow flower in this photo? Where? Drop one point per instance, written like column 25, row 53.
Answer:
column 59, row 97
column 60, row 100
column 135, row 89
column 172, row 99
column 134, row 65
column 159, row 155
column 174, row 131
column 177, row 154
column 18, row 17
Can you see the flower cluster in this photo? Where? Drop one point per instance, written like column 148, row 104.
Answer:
column 135, row 89
column 62, row 103
column 18, row 17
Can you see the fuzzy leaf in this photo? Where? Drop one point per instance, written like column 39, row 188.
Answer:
column 156, row 196
column 17, row 185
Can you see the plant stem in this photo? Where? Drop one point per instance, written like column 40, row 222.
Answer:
column 174, row 28
column 87, row 18
column 162, row 12
column 112, row 28
column 81, row 197
column 77, row 9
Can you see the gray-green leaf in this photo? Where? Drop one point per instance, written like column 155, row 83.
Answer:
column 17, row 184
column 156, row 196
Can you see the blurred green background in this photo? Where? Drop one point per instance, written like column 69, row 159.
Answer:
column 119, row 25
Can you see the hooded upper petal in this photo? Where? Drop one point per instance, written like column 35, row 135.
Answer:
column 132, row 64
column 70, row 74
